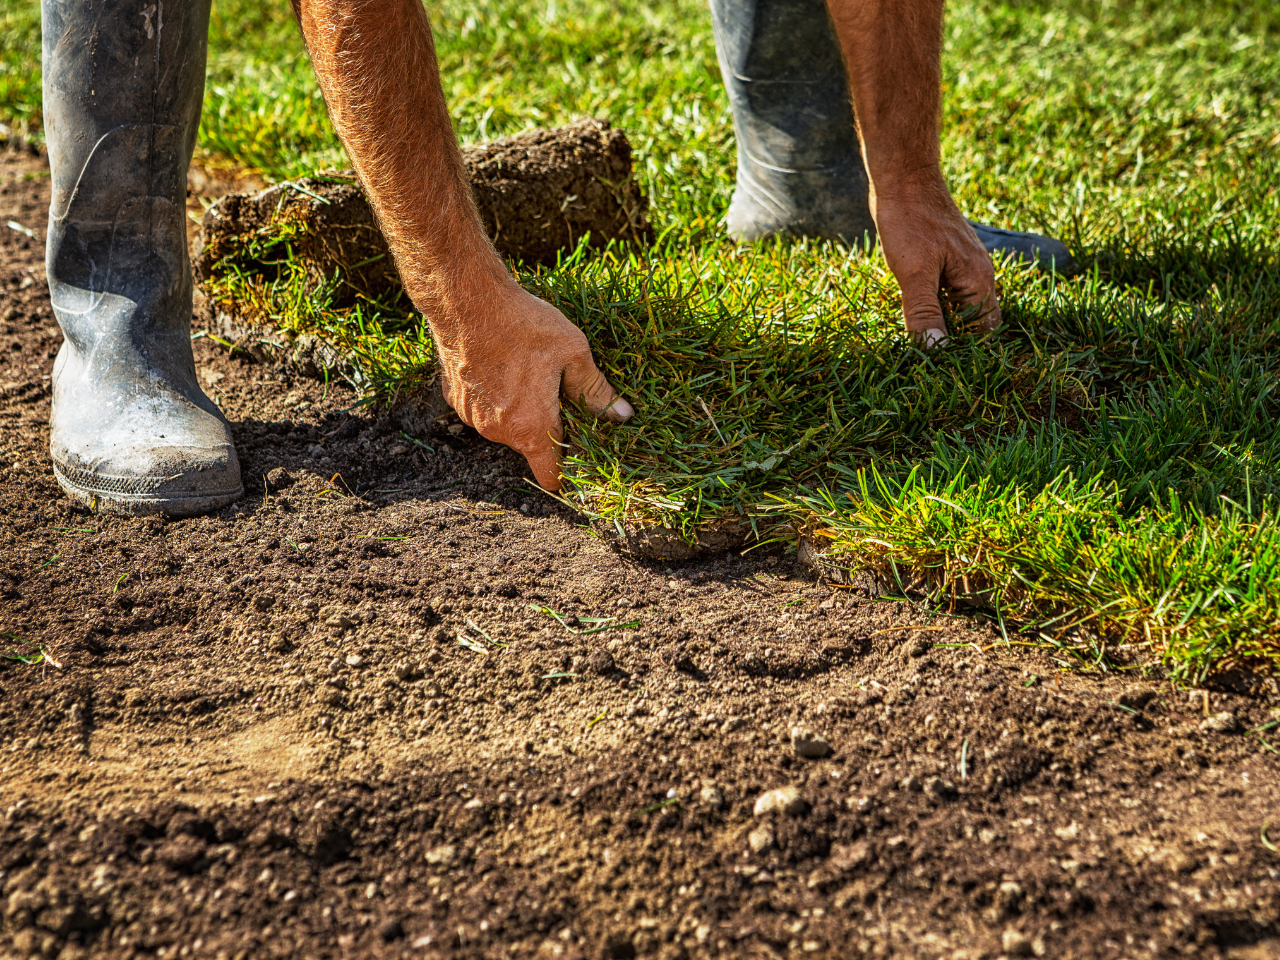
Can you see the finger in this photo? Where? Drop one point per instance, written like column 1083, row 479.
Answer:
column 922, row 310
column 973, row 288
column 539, row 438
column 544, row 461
column 585, row 384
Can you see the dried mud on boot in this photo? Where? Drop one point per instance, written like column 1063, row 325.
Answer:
column 538, row 193
column 398, row 703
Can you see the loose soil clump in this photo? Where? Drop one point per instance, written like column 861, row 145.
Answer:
column 538, row 193
column 398, row 703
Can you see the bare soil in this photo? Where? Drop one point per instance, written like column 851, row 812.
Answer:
column 262, row 737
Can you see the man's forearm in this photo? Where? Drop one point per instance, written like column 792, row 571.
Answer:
column 376, row 64
column 893, row 51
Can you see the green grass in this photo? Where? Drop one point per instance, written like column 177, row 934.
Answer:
column 1103, row 473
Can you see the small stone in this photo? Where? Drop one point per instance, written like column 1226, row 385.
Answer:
column 782, row 800
column 600, row 661
column 398, row 450
column 1015, row 944
column 404, row 670
column 455, row 429
column 1224, row 722
column 846, row 857
column 623, row 603
column 911, row 784
column 761, row 838
column 808, row 744
column 181, row 853
column 354, row 660
column 711, row 796
column 473, row 816
column 443, row 856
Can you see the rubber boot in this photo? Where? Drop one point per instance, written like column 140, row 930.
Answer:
column 800, row 168
column 131, row 430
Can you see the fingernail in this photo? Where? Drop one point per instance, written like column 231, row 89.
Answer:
column 618, row 411
column 933, row 337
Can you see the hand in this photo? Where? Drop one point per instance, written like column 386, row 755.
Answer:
column 506, row 376
column 929, row 246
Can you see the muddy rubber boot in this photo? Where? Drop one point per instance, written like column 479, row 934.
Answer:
column 131, row 430
column 800, row 169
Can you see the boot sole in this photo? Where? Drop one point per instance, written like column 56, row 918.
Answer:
column 140, row 496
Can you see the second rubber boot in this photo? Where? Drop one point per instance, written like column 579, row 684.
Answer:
column 800, row 169
column 131, row 431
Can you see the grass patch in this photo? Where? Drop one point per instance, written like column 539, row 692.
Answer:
column 1102, row 473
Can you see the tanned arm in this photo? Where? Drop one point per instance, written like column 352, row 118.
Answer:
column 506, row 355
column 893, row 51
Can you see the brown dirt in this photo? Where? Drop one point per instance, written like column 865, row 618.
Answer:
column 538, row 194
column 264, row 740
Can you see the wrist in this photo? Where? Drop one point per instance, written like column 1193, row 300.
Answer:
column 922, row 183
column 456, row 298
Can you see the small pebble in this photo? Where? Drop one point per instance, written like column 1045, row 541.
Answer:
column 761, row 838
column 781, row 800
column 1224, row 722
column 355, row 660
column 444, row 856
column 403, row 670
column 711, row 796
column 808, row 744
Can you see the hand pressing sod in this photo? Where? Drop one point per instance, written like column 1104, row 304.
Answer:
column 507, row 357
column 507, row 376
column 893, row 52
column 929, row 245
